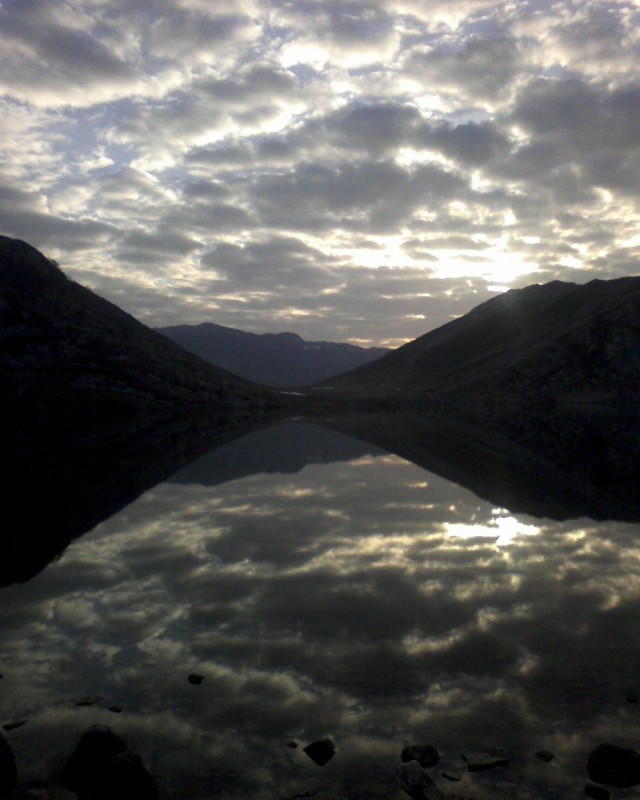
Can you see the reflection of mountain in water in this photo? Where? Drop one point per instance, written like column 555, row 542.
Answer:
column 285, row 448
column 559, row 466
column 56, row 490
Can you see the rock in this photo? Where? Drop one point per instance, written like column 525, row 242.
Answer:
column 293, row 745
column 454, row 777
column 424, row 754
column 477, row 762
column 8, row 771
column 11, row 726
column 195, row 679
column 614, row 766
column 321, row 751
column 91, row 700
column 413, row 778
column 597, row 792
column 116, row 709
column 125, row 777
column 632, row 698
column 94, row 749
column 545, row 755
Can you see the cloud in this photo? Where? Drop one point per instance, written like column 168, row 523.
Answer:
column 52, row 54
column 479, row 67
column 373, row 135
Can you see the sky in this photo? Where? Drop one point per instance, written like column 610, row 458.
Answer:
column 350, row 170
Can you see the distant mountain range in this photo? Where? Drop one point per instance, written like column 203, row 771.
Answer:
column 274, row 359
column 551, row 344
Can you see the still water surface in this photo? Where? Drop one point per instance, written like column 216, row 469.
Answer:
column 325, row 588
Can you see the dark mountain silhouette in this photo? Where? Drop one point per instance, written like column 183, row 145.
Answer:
column 274, row 359
column 72, row 362
column 557, row 343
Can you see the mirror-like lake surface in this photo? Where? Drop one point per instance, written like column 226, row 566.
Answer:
column 359, row 598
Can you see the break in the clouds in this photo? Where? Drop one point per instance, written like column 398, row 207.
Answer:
column 349, row 169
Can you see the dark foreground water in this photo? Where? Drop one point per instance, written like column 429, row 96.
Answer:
column 359, row 598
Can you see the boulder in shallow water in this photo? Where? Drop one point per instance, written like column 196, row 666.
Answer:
column 8, row 771
column 596, row 792
column 102, row 768
column 613, row 765
column 94, row 749
column 125, row 777
column 424, row 754
column 416, row 782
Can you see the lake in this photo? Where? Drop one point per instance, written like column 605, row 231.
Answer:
column 325, row 588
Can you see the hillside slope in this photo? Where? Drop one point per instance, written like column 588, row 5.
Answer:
column 71, row 360
column 556, row 342
column 275, row 359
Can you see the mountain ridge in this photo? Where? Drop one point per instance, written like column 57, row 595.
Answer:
column 281, row 360
column 71, row 361
column 544, row 343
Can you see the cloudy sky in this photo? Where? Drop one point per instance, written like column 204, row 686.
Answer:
column 358, row 170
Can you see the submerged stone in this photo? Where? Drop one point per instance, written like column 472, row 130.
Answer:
column 413, row 778
column 195, row 679
column 424, row 754
column 478, row 762
column 18, row 723
column 545, row 755
column 596, row 792
column 90, row 700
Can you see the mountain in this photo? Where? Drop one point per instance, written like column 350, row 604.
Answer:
column 274, row 359
column 549, row 344
column 71, row 361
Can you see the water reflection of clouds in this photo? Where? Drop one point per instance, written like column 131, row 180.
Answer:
column 339, row 601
